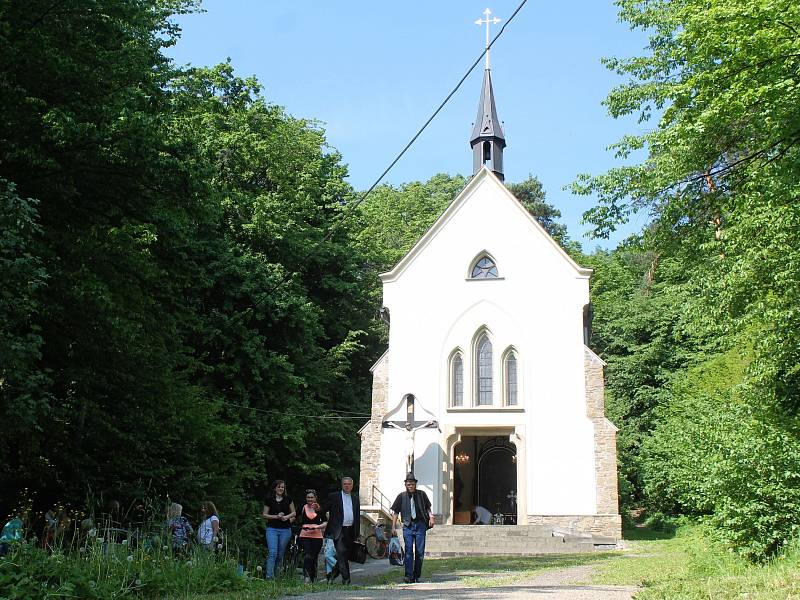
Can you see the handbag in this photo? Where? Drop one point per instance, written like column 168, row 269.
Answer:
column 395, row 552
column 358, row 552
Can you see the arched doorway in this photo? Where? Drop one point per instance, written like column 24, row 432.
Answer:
column 497, row 477
column 484, row 473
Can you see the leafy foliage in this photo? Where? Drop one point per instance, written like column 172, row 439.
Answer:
column 721, row 185
column 106, row 570
column 164, row 300
column 532, row 195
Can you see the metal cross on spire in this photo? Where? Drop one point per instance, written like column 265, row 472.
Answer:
column 487, row 21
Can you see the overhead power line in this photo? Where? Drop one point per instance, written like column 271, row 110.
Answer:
column 274, row 411
column 352, row 206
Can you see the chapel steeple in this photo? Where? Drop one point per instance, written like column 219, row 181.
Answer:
column 487, row 140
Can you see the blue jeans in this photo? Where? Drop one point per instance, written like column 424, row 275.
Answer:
column 277, row 540
column 414, row 536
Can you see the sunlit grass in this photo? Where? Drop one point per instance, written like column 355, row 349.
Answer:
column 489, row 571
column 691, row 566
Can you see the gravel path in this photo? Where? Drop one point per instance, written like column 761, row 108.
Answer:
column 559, row 584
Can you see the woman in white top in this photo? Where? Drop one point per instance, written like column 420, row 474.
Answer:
column 208, row 531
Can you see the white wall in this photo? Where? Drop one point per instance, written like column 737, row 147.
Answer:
column 536, row 307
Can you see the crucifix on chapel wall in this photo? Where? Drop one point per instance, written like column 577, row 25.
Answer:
column 410, row 426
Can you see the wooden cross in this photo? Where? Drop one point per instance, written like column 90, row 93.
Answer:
column 410, row 426
column 487, row 21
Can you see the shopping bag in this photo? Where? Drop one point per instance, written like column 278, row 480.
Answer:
column 358, row 552
column 330, row 555
column 395, row 552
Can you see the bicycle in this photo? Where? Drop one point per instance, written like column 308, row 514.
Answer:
column 377, row 542
column 293, row 556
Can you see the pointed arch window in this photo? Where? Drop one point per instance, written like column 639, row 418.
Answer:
column 457, row 380
column 484, row 268
column 511, row 380
column 483, row 369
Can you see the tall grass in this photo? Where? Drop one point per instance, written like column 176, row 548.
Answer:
column 103, row 570
column 101, row 560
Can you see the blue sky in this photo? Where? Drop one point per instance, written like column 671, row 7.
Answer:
column 373, row 72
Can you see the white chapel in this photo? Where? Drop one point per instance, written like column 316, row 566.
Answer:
column 488, row 391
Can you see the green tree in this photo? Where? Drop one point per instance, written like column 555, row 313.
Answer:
column 721, row 182
column 286, row 337
column 196, row 316
column 532, row 195
column 23, row 385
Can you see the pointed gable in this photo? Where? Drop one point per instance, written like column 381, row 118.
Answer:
column 483, row 176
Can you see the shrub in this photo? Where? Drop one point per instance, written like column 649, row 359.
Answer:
column 720, row 450
column 103, row 570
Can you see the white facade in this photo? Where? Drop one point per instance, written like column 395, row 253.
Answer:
column 534, row 308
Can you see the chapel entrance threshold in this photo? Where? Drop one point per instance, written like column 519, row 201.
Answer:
column 485, row 474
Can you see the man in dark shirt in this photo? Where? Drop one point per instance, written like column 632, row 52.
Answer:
column 414, row 509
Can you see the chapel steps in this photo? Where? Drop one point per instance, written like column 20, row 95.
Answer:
column 375, row 513
column 521, row 540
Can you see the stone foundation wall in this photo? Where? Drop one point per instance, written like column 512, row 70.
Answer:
column 605, row 436
column 371, row 433
column 603, row 525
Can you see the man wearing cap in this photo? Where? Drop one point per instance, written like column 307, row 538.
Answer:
column 414, row 509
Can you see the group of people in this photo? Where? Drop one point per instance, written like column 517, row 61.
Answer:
column 112, row 528
column 209, row 534
column 180, row 530
column 337, row 524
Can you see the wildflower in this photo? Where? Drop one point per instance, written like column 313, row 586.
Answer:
column 219, row 546
column 124, row 542
column 92, row 584
column 99, row 540
column 130, row 557
column 165, row 548
column 188, row 563
column 259, row 569
column 82, row 549
column 138, row 582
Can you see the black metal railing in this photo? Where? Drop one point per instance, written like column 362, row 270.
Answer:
column 380, row 499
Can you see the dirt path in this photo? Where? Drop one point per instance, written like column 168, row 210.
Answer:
column 559, row 584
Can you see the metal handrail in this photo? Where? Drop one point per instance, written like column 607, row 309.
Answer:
column 378, row 497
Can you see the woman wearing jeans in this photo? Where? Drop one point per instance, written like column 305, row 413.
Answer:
column 279, row 513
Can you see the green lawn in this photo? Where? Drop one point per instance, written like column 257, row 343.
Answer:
column 685, row 565
column 689, row 566
column 496, row 570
